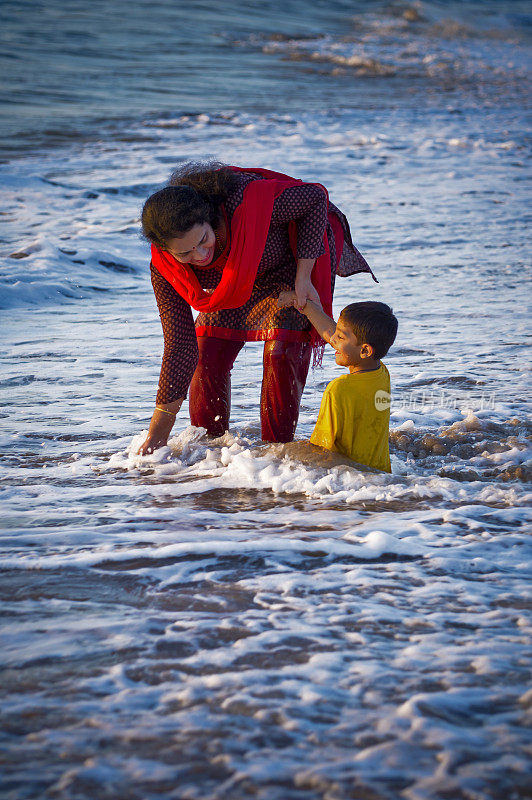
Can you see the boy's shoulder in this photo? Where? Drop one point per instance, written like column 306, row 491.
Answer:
column 350, row 380
column 339, row 386
column 338, row 383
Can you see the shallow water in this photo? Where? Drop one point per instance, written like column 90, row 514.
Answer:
column 231, row 619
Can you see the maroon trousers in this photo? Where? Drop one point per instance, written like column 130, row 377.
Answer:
column 285, row 372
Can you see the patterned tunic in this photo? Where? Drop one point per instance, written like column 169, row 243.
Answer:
column 259, row 318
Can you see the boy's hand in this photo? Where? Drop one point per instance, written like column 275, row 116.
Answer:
column 286, row 299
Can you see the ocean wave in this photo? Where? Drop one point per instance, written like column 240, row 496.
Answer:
column 474, row 449
column 55, row 277
column 59, row 247
column 487, row 459
column 358, row 62
column 412, row 44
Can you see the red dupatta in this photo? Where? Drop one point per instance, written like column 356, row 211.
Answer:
column 249, row 230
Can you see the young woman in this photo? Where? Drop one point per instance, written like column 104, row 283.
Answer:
column 226, row 241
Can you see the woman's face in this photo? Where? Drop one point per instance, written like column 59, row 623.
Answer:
column 196, row 246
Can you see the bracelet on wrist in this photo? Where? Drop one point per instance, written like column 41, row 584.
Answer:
column 165, row 411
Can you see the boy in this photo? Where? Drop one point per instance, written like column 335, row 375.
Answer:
column 354, row 414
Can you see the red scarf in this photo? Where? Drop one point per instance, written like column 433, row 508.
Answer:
column 249, row 230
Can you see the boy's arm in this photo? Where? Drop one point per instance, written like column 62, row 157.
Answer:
column 324, row 324
column 314, row 313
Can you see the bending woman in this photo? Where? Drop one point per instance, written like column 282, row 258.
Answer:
column 226, row 241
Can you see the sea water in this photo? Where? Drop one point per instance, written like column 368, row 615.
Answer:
column 230, row 619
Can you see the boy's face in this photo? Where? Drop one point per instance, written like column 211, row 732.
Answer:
column 349, row 353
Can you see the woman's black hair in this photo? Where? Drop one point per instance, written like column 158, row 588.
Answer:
column 194, row 195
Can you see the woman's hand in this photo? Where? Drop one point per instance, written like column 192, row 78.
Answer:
column 303, row 285
column 161, row 424
column 304, row 290
column 152, row 443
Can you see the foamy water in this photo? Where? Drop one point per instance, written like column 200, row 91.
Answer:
column 230, row 619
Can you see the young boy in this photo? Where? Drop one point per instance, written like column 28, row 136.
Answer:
column 354, row 416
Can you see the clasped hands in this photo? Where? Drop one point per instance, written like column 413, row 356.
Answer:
column 304, row 290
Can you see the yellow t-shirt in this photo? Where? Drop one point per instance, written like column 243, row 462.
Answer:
column 354, row 418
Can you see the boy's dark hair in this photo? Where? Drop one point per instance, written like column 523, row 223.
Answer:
column 372, row 323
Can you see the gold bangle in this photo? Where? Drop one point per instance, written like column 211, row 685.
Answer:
column 165, row 411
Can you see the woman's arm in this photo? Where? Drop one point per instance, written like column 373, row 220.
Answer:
column 304, row 290
column 306, row 205
column 179, row 361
